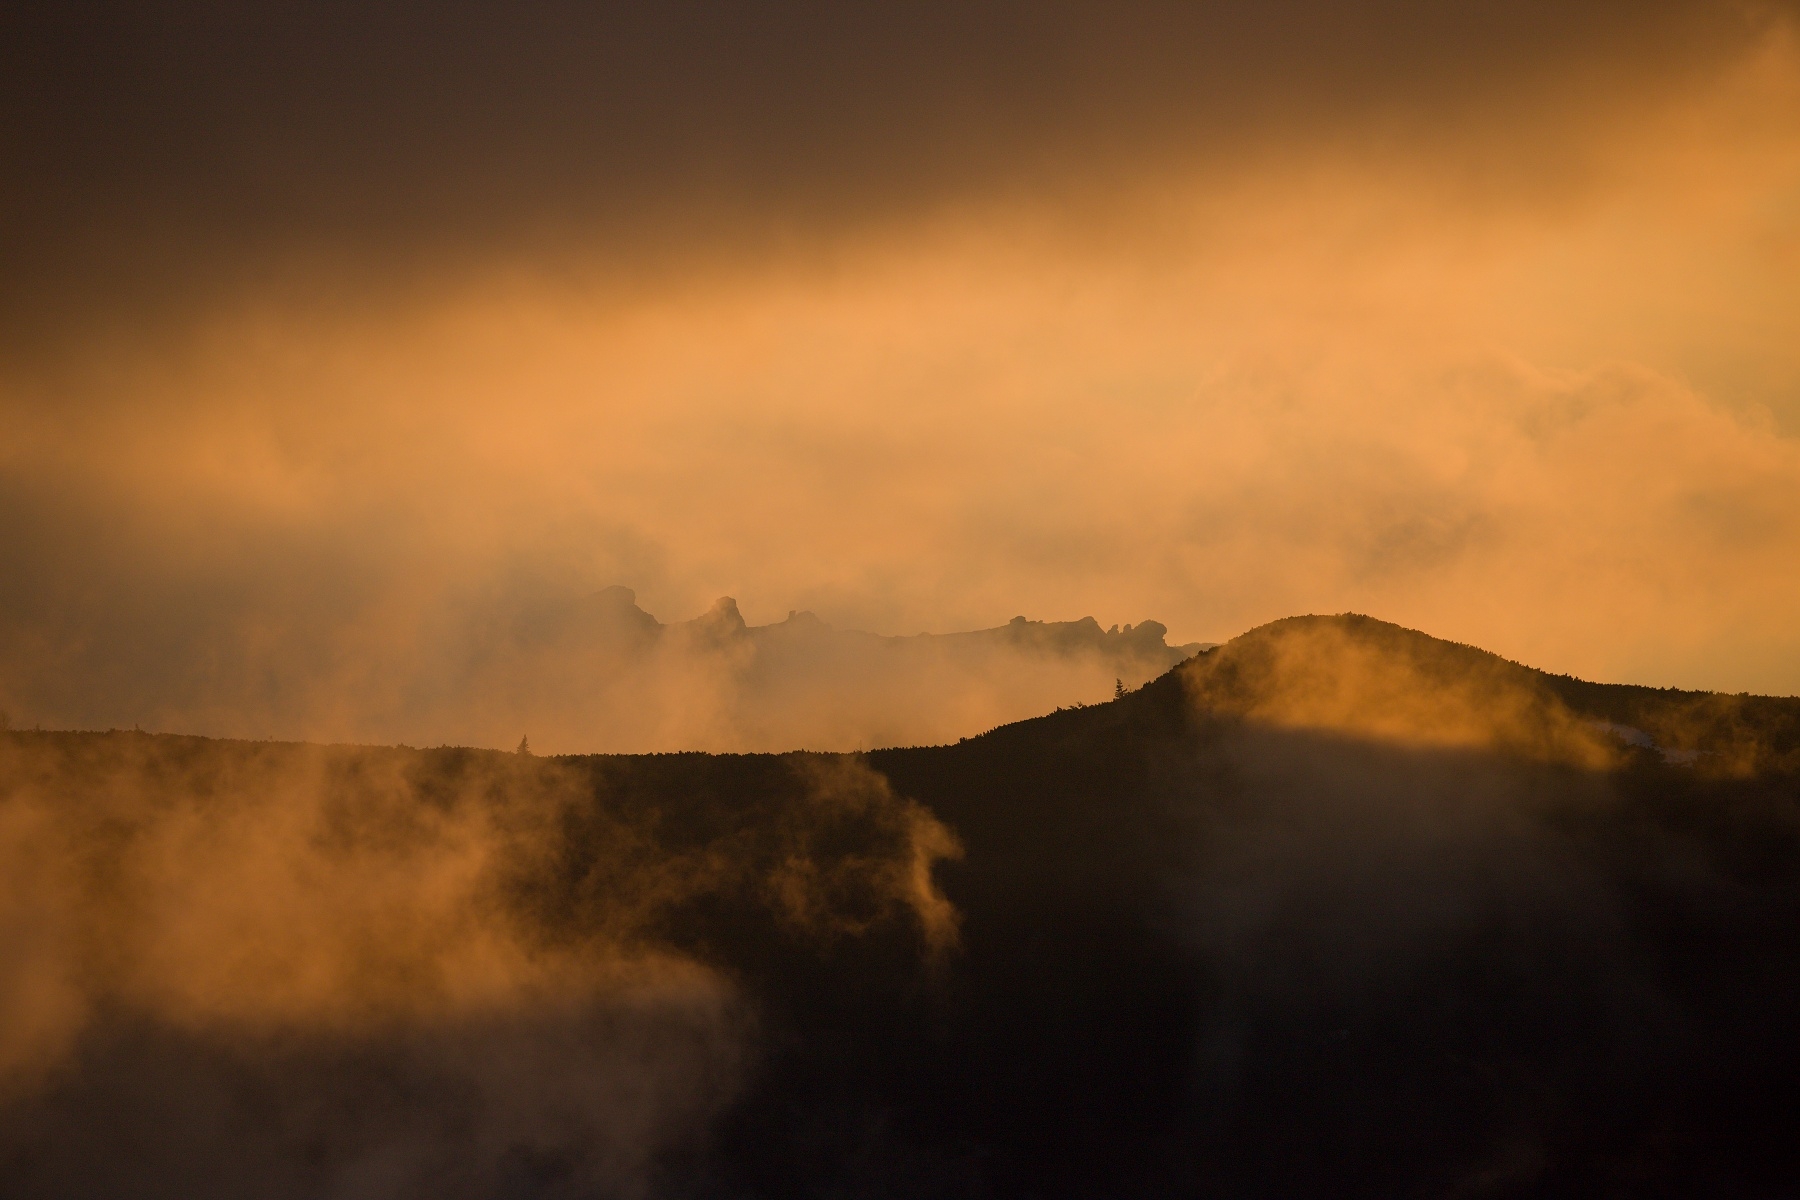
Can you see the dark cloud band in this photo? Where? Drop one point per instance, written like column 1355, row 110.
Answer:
column 150, row 148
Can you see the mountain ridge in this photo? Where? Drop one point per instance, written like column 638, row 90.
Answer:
column 616, row 607
column 1264, row 926
column 1734, row 731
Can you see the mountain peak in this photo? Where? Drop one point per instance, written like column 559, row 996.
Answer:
column 724, row 615
column 1357, row 676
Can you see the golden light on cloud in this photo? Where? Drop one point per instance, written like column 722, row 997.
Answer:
column 1247, row 485
column 1527, row 379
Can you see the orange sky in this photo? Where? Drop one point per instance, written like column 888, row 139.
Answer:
column 1518, row 367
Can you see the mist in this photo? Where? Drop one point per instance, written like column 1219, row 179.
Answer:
column 598, row 674
column 1333, row 906
column 707, row 600
column 1496, row 343
column 304, row 971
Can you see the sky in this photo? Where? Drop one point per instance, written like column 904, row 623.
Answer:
column 328, row 331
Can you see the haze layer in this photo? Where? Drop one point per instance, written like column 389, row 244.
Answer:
column 329, row 333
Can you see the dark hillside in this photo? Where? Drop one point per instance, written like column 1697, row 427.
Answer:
column 1336, row 909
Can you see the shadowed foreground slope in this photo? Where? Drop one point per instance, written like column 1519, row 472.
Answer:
column 1334, row 909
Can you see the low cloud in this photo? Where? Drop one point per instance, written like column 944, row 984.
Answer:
column 1438, row 901
column 1538, row 397
column 1364, row 679
column 600, row 674
column 435, row 972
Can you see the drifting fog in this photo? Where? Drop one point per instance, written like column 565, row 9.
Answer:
column 1390, row 881
column 343, row 972
column 602, row 675
column 598, row 674
column 348, row 355
column 1480, row 322
column 1354, row 853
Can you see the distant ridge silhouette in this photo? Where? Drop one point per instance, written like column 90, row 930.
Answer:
column 1333, row 909
column 600, row 673
column 612, row 614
